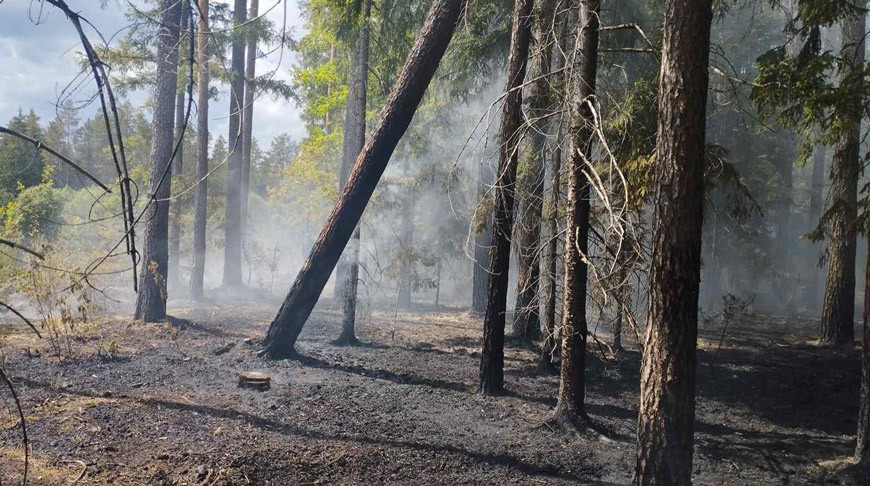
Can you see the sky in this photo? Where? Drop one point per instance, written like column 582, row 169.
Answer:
column 38, row 48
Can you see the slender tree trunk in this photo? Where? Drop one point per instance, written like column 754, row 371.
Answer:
column 548, row 345
column 248, row 120
column 233, row 220
column 354, row 139
column 151, row 299
column 571, row 404
column 406, row 248
column 527, row 321
column 838, row 306
column 392, row 122
column 491, row 377
column 665, row 430
column 178, row 164
column 862, row 450
column 817, row 187
column 201, row 195
column 482, row 244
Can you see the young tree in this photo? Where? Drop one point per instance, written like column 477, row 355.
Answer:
column 665, row 430
column 151, row 299
column 838, row 306
column 354, row 139
column 571, row 404
column 527, row 321
column 201, row 195
column 482, row 244
column 392, row 123
column 817, row 188
column 233, row 221
column 491, row 376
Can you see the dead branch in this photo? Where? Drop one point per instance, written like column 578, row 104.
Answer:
column 22, row 248
column 26, row 320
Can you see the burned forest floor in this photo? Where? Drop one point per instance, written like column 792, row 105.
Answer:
column 130, row 403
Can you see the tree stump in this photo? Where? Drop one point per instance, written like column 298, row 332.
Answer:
column 256, row 380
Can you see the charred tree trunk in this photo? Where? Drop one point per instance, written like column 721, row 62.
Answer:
column 482, row 244
column 665, row 430
column 862, row 450
column 571, row 404
column 151, row 299
column 248, row 119
column 817, row 187
column 393, row 120
column 178, row 165
column 527, row 321
column 491, row 378
column 233, row 220
column 354, row 139
column 201, row 195
column 838, row 306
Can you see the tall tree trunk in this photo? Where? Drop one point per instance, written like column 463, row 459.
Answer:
column 201, row 195
column 548, row 344
column 838, row 306
column 151, row 299
column 862, row 449
column 491, row 377
column 571, row 404
column 178, row 163
column 392, row 123
column 248, row 120
column 665, row 430
column 817, row 188
column 233, row 220
column 527, row 321
column 482, row 244
column 354, row 139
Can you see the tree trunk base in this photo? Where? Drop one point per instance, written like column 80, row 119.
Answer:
column 346, row 340
column 546, row 368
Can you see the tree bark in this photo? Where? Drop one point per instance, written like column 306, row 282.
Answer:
column 862, row 449
column 392, row 123
column 178, row 163
column 491, row 377
column 201, row 195
column 571, row 404
column 838, row 306
column 482, row 244
column 151, row 299
column 354, row 140
column 665, row 431
column 817, row 187
column 527, row 321
column 233, row 221
column 248, row 117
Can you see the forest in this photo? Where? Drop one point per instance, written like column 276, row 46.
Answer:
column 416, row 242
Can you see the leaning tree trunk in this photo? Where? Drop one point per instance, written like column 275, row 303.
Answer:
column 862, row 450
column 571, row 404
column 665, row 430
column 491, row 377
column 248, row 113
column 178, row 165
column 838, row 306
column 482, row 244
column 527, row 321
column 817, row 187
column 393, row 120
column 354, row 139
column 233, row 220
column 151, row 299
column 201, row 195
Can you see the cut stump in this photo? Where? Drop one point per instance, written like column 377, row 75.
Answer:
column 256, row 380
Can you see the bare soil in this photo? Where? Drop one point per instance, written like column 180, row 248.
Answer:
column 137, row 403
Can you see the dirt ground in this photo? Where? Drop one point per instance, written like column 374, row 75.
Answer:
column 150, row 404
